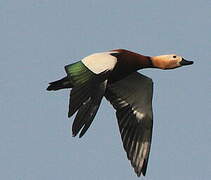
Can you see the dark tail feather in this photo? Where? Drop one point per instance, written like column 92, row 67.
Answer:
column 60, row 84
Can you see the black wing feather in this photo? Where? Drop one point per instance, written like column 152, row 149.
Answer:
column 132, row 99
column 88, row 110
column 86, row 99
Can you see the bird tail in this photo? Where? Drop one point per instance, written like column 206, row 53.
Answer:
column 60, row 84
column 77, row 74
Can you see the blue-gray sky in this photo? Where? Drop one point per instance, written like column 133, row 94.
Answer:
column 39, row 37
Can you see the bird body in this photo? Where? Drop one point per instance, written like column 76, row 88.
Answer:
column 113, row 75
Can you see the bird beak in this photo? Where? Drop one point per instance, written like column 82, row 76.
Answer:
column 185, row 62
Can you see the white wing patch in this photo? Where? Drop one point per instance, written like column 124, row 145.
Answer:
column 100, row 62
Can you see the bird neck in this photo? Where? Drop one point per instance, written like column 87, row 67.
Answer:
column 132, row 60
column 144, row 62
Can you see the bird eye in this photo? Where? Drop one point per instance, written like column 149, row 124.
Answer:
column 174, row 56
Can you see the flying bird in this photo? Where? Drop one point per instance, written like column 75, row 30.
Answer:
column 114, row 75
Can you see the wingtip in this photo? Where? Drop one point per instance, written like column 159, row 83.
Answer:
column 81, row 134
column 71, row 111
column 49, row 88
column 75, row 134
column 138, row 173
column 69, row 114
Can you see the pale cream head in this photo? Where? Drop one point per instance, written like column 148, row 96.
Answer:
column 169, row 61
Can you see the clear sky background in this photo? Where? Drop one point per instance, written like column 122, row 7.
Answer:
column 39, row 37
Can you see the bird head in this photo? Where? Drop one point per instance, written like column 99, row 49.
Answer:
column 170, row 61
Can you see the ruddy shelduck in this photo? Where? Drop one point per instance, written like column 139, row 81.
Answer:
column 113, row 74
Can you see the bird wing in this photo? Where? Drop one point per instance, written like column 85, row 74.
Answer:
column 132, row 99
column 85, row 99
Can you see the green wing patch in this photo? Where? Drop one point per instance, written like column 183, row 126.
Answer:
column 78, row 73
